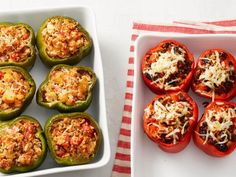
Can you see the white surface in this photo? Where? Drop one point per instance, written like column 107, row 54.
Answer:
column 114, row 21
column 191, row 159
column 39, row 72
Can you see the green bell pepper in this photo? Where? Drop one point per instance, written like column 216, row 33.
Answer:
column 20, row 138
column 62, row 44
column 13, row 103
column 10, row 54
column 54, row 93
column 70, row 138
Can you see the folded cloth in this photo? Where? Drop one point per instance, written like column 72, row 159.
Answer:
column 121, row 167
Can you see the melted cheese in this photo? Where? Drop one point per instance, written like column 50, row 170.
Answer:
column 216, row 126
column 215, row 72
column 13, row 89
column 63, row 38
column 169, row 114
column 68, row 86
column 166, row 63
column 14, row 44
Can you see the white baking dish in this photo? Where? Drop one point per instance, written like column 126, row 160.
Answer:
column 85, row 16
column 146, row 158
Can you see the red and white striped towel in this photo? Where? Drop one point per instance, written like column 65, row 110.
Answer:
column 121, row 166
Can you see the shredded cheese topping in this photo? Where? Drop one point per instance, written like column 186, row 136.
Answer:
column 171, row 118
column 215, row 71
column 19, row 145
column 13, row 89
column 62, row 38
column 164, row 64
column 14, row 44
column 67, row 85
column 75, row 138
column 218, row 121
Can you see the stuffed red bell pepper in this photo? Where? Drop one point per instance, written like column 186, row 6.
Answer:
column 215, row 75
column 169, row 120
column 168, row 67
column 215, row 133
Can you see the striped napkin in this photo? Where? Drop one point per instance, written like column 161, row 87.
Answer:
column 121, row 167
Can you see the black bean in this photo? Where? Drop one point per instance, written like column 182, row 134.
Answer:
column 205, row 61
column 205, row 103
column 228, row 85
column 204, row 124
column 208, row 89
column 215, row 85
column 213, row 118
column 165, row 140
column 148, row 76
column 186, row 126
column 233, row 137
column 182, row 119
column 221, row 120
column 176, row 50
column 155, row 77
column 180, row 64
column 231, row 128
column 187, row 66
column 202, row 130
column 166, row 45
column 223, row 55
column 164, row 124
column 174, row 83
column 168, row 141
column 222, row 147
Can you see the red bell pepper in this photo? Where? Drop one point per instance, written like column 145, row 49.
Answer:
column 215, row 75
column 168, row 67
column 215, row 133
column 169, row 120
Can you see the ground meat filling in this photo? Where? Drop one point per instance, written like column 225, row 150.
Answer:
column 19, row 147
column 167, row 119
column 73, row 137
column 168, row 66
column 14, row 89
column 15, row 44
column 215, row 73
column 219, row 127
column 67, row 85
column 62, row 38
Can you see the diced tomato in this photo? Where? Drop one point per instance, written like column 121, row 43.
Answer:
column 60, row 152
column 15, row 56
column 66, row 143
column 25, row 36
column 31, row 129
column 1, row 74
column 76, row 141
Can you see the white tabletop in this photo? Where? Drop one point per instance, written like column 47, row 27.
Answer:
column 114, row 21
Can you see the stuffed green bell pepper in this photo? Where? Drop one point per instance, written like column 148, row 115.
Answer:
column 22, row 145
column 17, row 46
column 17, row 89
column 73, row 138
column 62, row 40
column 67, row 88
